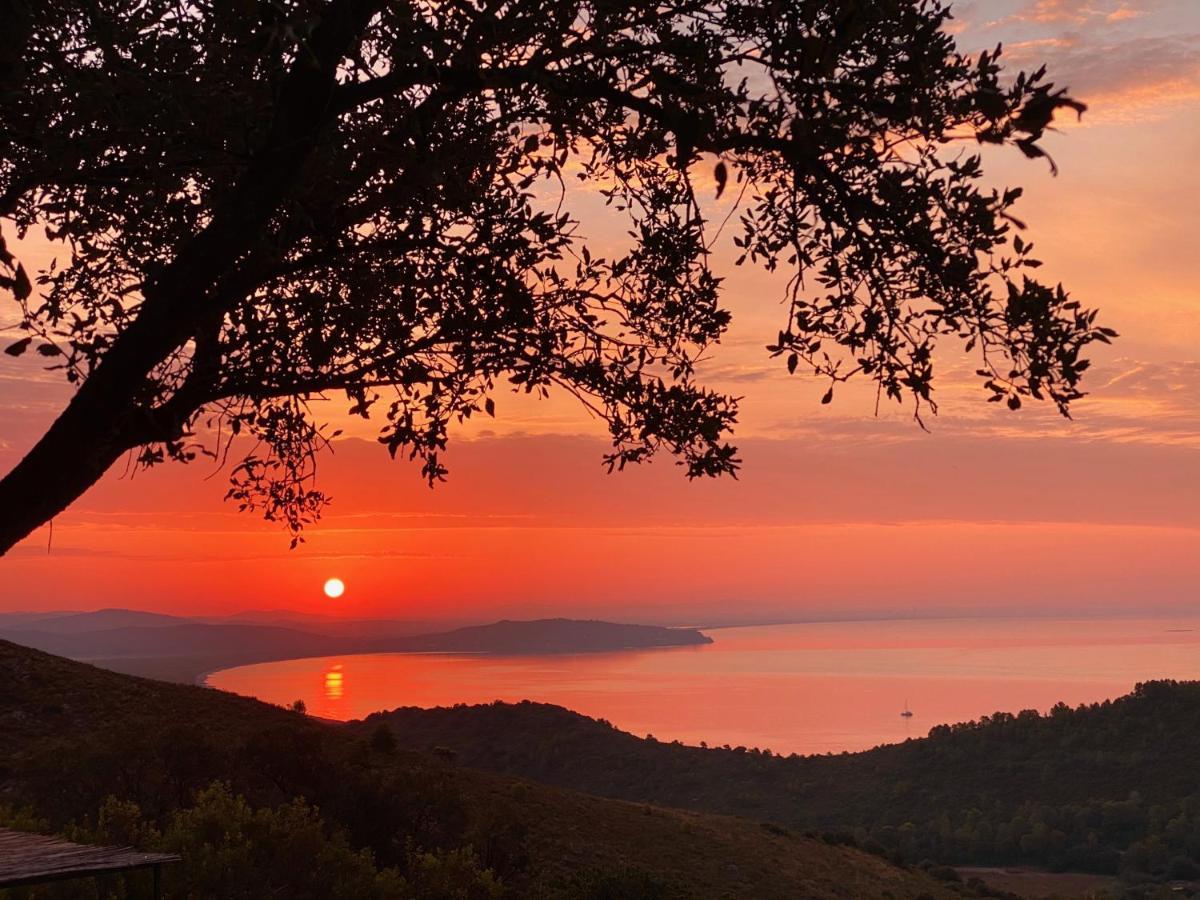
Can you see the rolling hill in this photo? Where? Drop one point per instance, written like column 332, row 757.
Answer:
column 1110, row 787
column 72, row 735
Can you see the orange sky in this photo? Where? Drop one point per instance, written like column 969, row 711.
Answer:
column 837, row 511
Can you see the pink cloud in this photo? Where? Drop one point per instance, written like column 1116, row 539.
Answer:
column 1120, row 80
column 1076, row 11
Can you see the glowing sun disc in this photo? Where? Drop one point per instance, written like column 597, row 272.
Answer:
column 334, row 588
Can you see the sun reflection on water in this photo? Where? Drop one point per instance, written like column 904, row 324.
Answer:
column 334, row 683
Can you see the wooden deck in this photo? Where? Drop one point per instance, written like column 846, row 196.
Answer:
column 35, row 859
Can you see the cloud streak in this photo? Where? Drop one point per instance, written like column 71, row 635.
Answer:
column 1079, row 12
column 1129, row 60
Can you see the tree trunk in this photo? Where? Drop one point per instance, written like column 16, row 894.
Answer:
column 102, row 420
column 70, row 457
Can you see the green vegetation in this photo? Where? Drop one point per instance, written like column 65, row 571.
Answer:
column 1108, row 788
column 263, row 801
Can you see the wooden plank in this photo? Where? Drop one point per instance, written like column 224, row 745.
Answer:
column 35, row 858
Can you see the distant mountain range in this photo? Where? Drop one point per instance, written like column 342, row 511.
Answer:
column 182, row 649
column 67, row 621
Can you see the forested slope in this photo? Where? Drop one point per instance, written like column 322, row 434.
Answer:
column 1106, row 787
column 219, row 779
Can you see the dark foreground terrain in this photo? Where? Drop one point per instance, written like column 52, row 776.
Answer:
column 263, row 802
column 1109, row 788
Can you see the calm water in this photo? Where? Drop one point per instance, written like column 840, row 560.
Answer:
column 804, row 688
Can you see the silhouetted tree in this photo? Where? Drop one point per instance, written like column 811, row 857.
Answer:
column 264, row 201
column 382, row 739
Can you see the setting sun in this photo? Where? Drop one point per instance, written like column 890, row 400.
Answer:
column 334, row 588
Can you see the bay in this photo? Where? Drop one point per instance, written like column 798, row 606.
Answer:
column 802, row 688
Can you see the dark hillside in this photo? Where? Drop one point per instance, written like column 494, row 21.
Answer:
column 1104, row 787
column 72, row 735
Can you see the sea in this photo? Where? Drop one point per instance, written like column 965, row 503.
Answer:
column 823, row 687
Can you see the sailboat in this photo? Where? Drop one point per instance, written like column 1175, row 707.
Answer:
column 907, row 712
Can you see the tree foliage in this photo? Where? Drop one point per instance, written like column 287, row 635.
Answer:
column 261, row 203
